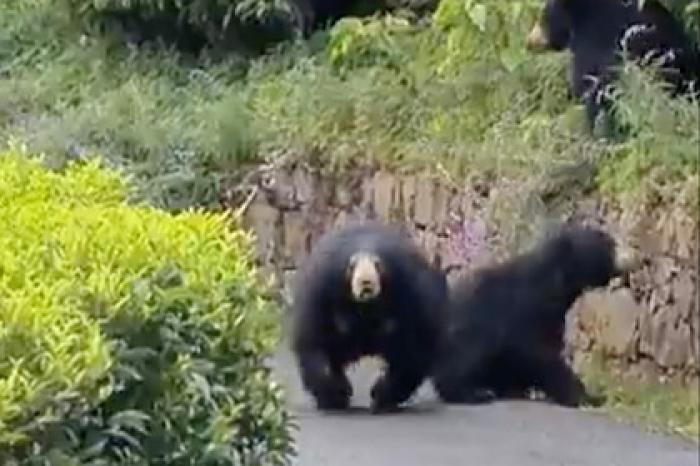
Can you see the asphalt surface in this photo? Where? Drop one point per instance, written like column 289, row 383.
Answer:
column 428, row 433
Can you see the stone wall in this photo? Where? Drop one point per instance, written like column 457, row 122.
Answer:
column 649, row 326
column 652, row 325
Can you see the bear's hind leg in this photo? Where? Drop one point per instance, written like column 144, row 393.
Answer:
column 405, row 372
column 558, row 381
column 459, row 379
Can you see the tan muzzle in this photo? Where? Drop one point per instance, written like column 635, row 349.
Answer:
column 536, row 39
column 365, row 277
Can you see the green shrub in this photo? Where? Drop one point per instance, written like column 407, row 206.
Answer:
column 356, row 42
column 414, row 95
column 191, row 25
column 128, row 335
column 661, row 137
column 481, row 29
column 462, row 94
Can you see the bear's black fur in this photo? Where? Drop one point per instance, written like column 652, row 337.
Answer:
column 402, row 324
column 506, row 324
column 597, row 31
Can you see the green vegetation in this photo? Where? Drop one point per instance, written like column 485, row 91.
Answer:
column 462, row 93
column 128, row 335
column 668, row 408
column 248, row 26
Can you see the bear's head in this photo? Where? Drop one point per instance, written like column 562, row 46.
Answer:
column 364, row 273
column 591, row 257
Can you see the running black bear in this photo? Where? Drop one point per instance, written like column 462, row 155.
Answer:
column 506, row 324
column 596, row 31
column 366, row 290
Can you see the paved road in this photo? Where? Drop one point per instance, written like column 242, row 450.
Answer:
column 428, row 433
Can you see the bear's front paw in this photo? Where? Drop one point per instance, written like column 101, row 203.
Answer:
column 332, row 402
column 383, row 399
column 335, row 395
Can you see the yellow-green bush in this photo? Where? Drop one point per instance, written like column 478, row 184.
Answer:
column 356, row 42
column 128, row 335
column 476, row 29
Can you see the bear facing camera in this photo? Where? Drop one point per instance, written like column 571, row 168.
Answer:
column 506, row 323
column 366, row 290
column 364, row 273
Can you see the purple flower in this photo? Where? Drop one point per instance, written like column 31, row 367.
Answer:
column 468, row 239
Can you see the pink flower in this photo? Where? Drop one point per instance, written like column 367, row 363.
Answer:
column 468, row 239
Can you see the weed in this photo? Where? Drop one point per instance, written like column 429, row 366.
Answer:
column 669, row 408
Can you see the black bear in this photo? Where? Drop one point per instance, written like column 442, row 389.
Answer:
column 597, row 31
column 506, row 324
column 366, row 290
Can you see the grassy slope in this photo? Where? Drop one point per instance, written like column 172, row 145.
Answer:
column 438, row 95
column 667, row 408
column 454, row 96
